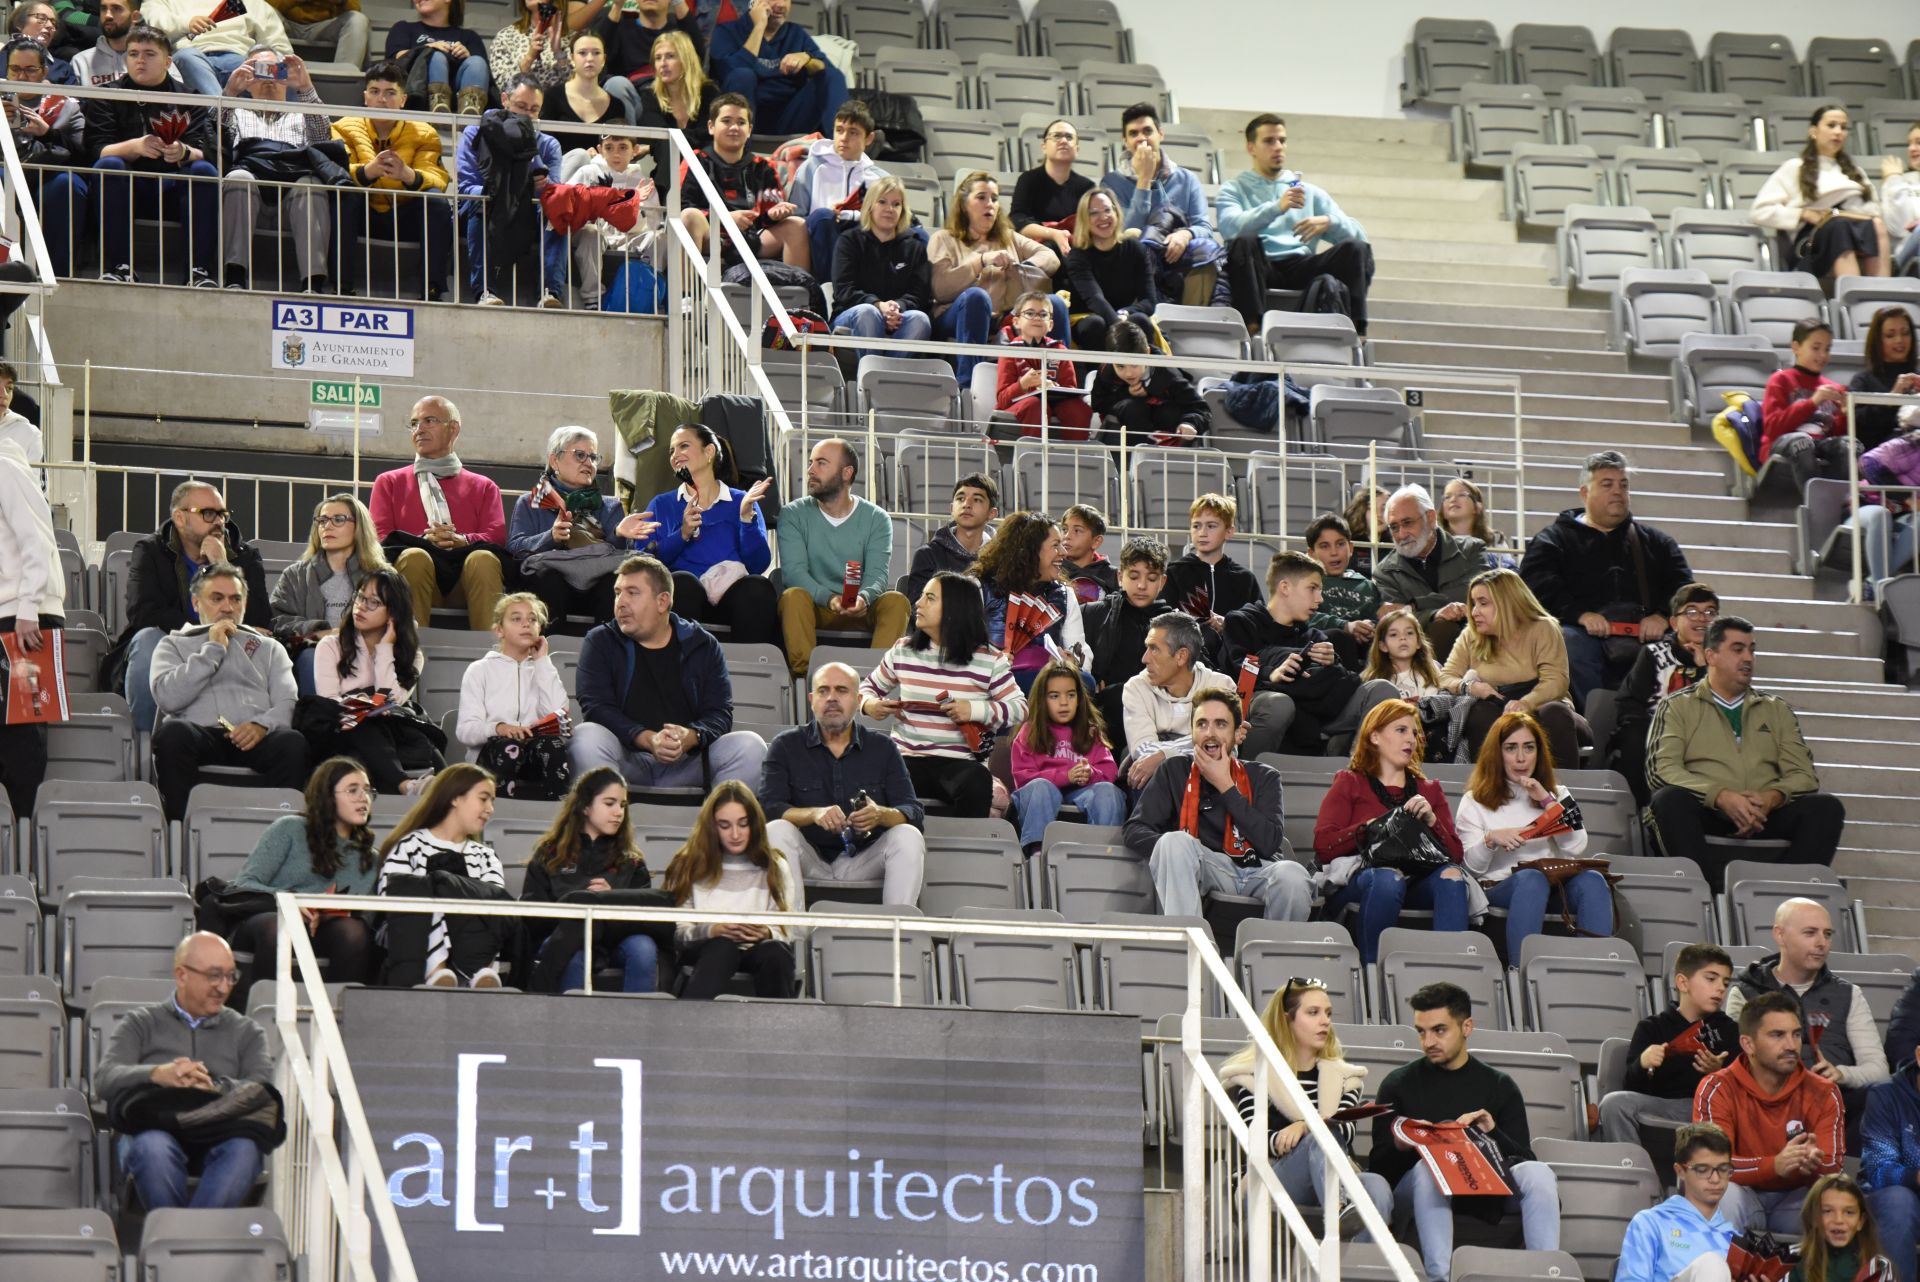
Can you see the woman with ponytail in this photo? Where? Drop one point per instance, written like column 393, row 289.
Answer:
column 713, row 537
column 1825, row 205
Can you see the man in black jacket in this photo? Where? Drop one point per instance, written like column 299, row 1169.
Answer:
column 1116, row 628
column 1207, row 582
column 956, row 545
column 160, row 579
column 168, row 143
column 1605, row 576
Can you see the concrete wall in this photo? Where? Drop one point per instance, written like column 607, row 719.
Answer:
column 1335, row 60
column 516, row 374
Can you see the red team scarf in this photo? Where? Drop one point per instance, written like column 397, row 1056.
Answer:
column 1237, row 846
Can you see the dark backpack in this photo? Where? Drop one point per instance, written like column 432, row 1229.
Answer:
column 781, row 276
column 1327, row 296
column 903, row 132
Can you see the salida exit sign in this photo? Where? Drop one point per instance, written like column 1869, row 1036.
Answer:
column 338, row 395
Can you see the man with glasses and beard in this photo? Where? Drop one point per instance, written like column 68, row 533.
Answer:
column 1428, row 569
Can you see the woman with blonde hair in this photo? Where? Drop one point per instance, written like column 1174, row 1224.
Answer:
column 881, row 282
column 1109, row 276
column 1511, row 657
column 316, row 592
column 442, row 834
column 728, row 865
column 679, row 99
column 1299, row 1018
column 980, row 264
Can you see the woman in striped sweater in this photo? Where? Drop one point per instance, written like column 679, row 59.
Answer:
column 949, row 693
column 442, row 833
column 1299, row 1018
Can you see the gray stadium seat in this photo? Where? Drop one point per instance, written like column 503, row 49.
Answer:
column 1411, row 959
column 19, row 926
column 1492, row 118
column 1846, row 357
column 1109, row 88
column 1312, row 488
column 46, row 1149
column 1146, row 978
column 1710, row 123
column 1347, row 420
column 1607, row 119
column 934, row 76
column 1167, row 481
column 58, row 1246
column 1857, row 298
column 1050, row 478
column 33, row 1036
column 118, row 926
column 1073, row 31
column 1787, row 117
column 874, row 23
column 926, row 469
column 1883, row 977
column 95, row 742
column 1602, row 241
column 1881, row 127
column 1492, row 1264
column 1753, row 66
column 1656, row 61
column 1365, row 1262
column 926, row 200
column 975, row 27
column 1556, row 58
column 8, row 835
column 1661, row 180
column 1086, row 880
column 1266, row 954
column 1547, row 177
column 1853, row 70
column 1711, row 364
column 1654, row 308
column 1602, row 1187
column 116, row 997
column 1009, row 972
column 83, row 829
column 1586, row 990
column 243, row 1245
column 224, row 823
column 1542, row 1065
column 113, row 585
column 855, row 967
column 1446, row 54
column 1770, row 304
column 976, row 872
column 81, row 651
column 447, row 653
column 813, row 385
column 960, row 140
column 1014, row 85
column 1191, row 148
column 1206, row 332
column 909, row 391
column 1310, row 338
column 762, row 685
column 1663, row 901
column 1755, row 889
column 1741, row 175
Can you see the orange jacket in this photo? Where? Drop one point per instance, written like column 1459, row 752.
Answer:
column 1760, row 1124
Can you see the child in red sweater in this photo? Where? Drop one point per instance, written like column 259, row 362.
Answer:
column 1021, row 377
column 1803, row 414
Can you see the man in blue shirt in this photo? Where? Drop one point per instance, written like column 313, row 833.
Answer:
column 1890, row 1162
column 1685, row 1238
column 1166, row 205
column 775, row 65
column 1278, row 230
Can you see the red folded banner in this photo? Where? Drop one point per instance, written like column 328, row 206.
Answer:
column 1760, row 1255
column 1249, row 676
column 1550, row 822
column 36, row 679
column 1688, row 1043
column 1457, row 1157
column 1360, row 1112
column 1028, row 617
column 228, row 9
column 1624, row 630
column 1817, row 1028
column 356, row 708
column 1199, row 604
column 555, row 725
column 850, row 586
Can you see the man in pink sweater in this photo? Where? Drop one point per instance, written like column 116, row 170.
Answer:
column 446, row 521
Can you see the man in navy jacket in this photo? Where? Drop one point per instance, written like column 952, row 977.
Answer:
column 775, row 65
column 654, row 689
column 1890, row 1163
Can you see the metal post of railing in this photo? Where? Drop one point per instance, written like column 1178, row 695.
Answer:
column 1853, row 502
column 1519, row 468
column 1259, row 1208
column 1193, row 1122
column 356, row 437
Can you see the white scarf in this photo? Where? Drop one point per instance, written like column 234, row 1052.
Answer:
column 427, row 472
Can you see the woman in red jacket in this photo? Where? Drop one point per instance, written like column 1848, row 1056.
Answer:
column 1384, row 774
column 1803, row 414
column 1021, row 376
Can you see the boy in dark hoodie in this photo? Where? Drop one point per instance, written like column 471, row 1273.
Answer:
column 956, row 545
column 1153, row 405
column 1082, row 530
column 1299, row 685
column 1349, row 600
column 1661, row 1078
column 1207, row 583
column 1116, row 628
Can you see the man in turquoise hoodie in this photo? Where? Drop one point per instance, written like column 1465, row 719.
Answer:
column 1685, row 1238
column 822, row 538
column 1277, row 226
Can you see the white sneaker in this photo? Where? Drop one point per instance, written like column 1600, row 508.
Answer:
column 443, row 978
column 491, row 299
column 485, row 977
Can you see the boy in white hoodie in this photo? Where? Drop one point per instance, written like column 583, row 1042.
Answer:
column 14, row 427
column 610, row 164
column 831, row 173
column 506, row 693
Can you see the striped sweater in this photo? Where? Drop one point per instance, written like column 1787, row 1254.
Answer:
column 922, row 676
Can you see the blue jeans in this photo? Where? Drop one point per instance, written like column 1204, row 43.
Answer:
column 1896, row 1210
column 1587, row 666
column 1381, row 893
column 140, row 677
column 639, row 958
column 970, row 318
column 484, row 276
column 469, row 73
column 1038, row 801
column 64, row 201
column 1904, row 253
column 1525, row 895
column 1536, row 1193
column 1886, row 542
column 122, row 199
column 303, row 671
column 787, row 105
column 206, row 72
column 867, row 322
column 158, row 1166
column 1303, row 1174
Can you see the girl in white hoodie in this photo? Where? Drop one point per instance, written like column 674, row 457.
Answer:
column 506, row 696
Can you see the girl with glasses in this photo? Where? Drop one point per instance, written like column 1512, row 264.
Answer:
column 568, row 538
column 1674, row 662
column 1022, row 377
column 376, row 652
column 315, row 593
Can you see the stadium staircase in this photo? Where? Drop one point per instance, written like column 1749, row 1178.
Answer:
column 1457, row 287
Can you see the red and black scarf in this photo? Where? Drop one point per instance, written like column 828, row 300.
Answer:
column 1236, row 847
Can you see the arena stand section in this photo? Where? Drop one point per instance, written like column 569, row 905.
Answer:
column 1493, row 352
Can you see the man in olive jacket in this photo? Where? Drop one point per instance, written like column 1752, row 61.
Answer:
column 1728, row 760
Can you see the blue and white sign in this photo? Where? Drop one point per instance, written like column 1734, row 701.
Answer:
column 331, row 338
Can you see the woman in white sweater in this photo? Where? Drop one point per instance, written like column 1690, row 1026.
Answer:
column 728, row 865
column 442, row 834
column 1825, row 205
column 377, row 651
column 1512, row 787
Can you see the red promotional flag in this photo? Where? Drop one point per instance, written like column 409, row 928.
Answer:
column 1550, row 822
column 1249, row 676
column 1457, row 1156
column 1199, row 604
column 228, row 9
column 555, row 725
column 36, row 680
column 1688, row 1043
column 1761, row 1255
column 1028, row 616
column 1817, row 1028
column 171, row 125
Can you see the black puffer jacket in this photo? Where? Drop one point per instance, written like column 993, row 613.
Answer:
column 109, row 121
column 157, row 582
column 1575, row 569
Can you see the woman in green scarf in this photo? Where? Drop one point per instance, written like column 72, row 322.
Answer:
column 568, row 538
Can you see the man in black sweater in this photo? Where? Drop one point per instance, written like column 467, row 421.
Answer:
column 1446, row 1084
column 1116, row 628
column 1662, row 1077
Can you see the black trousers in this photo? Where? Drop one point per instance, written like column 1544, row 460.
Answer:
column 561, row 599
column 391, row 750
column 1810, row 824
column 344, row 943
column 181, row 749
column 23, row 749
column 965, row 786
column 1250, row 274
column 715, row 962
column 750, row 608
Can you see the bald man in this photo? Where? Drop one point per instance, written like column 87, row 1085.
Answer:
column 192, row 1041
column 842, row 805
column 1839, row 1039
column 442, row 525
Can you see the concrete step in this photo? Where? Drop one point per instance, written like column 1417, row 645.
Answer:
column 1469, row 312
column 1560, row 416
column 1602, row 388
column 1414, row 223
column 1826, row 665
column 1882, row 729
column 1350, row 189
column 1448, row 353
column 1488, row 333
column 1332, row 169
column 1830, row 636
column 1766, row 610
column 1462, row 205
column 1860, row 752
column 1875, row 807
column 1692, row 515
column 1778, row 587
column 1879, row 705
column 1409, row 245
column 1305, row 132
column 1432, row 283
column 1710, row 563
column 1875, row 859
column 1662, row 450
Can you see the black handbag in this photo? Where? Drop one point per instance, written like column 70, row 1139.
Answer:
column 220, row 906
column 1400, row 841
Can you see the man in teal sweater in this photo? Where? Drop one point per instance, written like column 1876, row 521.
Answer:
column 821, row 537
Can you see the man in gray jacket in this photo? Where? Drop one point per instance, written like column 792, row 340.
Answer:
column 225, row 692
column 1428, row 569
column 189, row 1041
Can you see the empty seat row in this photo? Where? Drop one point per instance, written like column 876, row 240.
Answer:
column 1070, row 31
column 963, row 139
column 1012, row 85
column 1678, row 313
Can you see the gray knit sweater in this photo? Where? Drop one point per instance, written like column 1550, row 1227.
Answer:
column 232, row 1046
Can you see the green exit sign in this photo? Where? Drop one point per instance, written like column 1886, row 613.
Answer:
column 329, row 395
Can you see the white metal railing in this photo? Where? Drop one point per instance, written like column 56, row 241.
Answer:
column 1857, row 575
column 1237, row 1221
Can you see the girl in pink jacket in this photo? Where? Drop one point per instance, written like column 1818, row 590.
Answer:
column 1060, row 754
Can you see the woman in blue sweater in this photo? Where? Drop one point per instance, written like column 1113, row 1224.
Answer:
column 714, row 539
column 568, row 538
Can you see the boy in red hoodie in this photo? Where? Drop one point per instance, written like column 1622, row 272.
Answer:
column 1785, row 1121
column 1021, row 377
column 1803, row 413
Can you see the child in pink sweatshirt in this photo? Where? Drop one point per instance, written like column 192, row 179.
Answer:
column 1060, row 754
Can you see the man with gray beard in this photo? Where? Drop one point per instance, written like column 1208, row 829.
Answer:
column 1428, row 569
